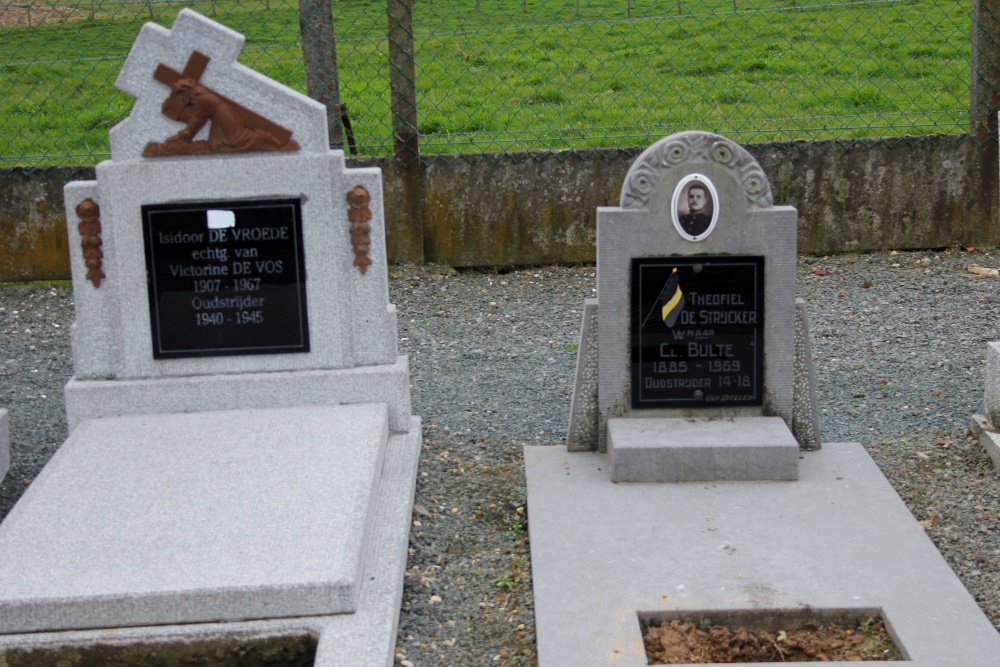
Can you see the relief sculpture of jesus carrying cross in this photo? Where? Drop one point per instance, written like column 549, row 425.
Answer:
column 234, row 128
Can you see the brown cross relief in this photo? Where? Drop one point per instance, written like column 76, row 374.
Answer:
column 233, row 129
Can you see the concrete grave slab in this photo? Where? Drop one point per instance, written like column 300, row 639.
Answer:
column 690, row 450
column 365, row 638
column 838, row 538
column 187, row 518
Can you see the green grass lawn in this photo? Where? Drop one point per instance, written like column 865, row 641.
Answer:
column 530, row 74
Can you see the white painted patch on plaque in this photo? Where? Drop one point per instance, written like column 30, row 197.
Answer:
column 220, row 219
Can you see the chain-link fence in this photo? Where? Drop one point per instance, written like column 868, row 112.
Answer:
column 513, row 75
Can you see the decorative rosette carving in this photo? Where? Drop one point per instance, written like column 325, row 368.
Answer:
column 638, row 187
column 668, row 153
column 672, row 153
column 723, row 153
column 757, row 187
column 700, row 143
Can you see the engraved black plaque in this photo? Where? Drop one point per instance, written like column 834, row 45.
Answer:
column 226, row 278
column 697, row 331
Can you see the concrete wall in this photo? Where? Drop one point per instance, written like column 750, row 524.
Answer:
column 916, row 192
column 540, row 208
column 33, row 223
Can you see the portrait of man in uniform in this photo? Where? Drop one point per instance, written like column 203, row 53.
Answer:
column 694, row 207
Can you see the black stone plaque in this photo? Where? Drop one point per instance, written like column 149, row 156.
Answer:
column 697, row 332
column 226, row 278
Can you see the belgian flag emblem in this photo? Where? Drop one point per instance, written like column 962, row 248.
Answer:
column 670, row 302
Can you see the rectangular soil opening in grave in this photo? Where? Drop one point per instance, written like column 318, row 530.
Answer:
column 768, row 635
column 223, row 651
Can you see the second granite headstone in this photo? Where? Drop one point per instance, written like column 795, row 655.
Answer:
column 694, row 360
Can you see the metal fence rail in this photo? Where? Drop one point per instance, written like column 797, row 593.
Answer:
column 514, row 75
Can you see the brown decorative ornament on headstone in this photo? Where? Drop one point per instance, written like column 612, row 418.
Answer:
column 359, row 214
column 234, row 128
column 90, row 239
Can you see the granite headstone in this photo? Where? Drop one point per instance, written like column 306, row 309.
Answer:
column 242, row 450
column 695, row 316
column 223, row 258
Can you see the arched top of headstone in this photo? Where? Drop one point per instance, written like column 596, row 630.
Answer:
column 226, row 107
column 653, row 177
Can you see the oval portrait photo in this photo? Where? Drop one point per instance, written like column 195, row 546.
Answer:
column 694, row 207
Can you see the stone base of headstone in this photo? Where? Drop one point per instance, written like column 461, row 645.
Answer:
column 697, row 450
column 605, row 555
column 213, row 517
column 583, row 411
column 4, row 443
column 986, row 427
column 389, row 384
column 988, row 436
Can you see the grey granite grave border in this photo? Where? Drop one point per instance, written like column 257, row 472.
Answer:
column 204, row 517
column 365, row 638
column 805, row 409
column 988, row 437
column 366, row 384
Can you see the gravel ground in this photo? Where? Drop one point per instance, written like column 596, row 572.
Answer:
column 899, row 341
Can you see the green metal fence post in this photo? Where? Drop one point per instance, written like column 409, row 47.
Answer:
column 402, row 79
column 409, row 242
column 985, row 100
column 985, row 96
column 319, row 56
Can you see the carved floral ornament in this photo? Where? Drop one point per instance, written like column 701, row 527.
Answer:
column 359, row 214
column 659, row 159
column 90, row 239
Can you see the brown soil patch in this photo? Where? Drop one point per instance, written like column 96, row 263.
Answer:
column 225, row 651
column 682, row 643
